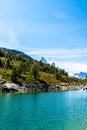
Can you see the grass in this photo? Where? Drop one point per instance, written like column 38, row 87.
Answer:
column 5, row 74
column 49, row 78
column 43, row 78
column 10, row 61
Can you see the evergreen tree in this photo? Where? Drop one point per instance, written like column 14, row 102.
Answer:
column 53, row 64
column 1, row 53
column 8, row 64
column 58, row 76
column 15, row 75
column 1, row 64
column 23, row 67
column 34, row 70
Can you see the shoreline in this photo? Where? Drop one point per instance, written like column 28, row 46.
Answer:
column 6, row 87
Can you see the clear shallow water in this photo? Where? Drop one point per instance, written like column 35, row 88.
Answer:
column 44, row 111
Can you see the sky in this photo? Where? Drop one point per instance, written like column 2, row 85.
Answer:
column 54, row 29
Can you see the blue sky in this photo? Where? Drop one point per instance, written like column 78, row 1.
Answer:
column 55, row 29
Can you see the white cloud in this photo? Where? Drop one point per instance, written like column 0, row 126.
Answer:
column 71, row 67
column 59, row 53
column 64, row 58
column 12, row 40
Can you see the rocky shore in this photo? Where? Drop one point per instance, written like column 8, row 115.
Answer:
column 6, row 87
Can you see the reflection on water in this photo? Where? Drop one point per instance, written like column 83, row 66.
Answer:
column 47, row 111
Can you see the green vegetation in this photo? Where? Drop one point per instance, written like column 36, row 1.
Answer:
column 15, row 75
column 19, row 69
column 34, row 70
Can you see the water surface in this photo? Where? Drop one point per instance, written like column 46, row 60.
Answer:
column 44, row 111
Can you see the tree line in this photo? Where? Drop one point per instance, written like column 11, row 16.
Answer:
column 21, row 66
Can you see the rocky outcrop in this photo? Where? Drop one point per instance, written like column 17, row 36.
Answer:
column 85, row 88
column 42, row 87
column 74, row 87
column 37, row 87
column 30, row 87
column 10, row 87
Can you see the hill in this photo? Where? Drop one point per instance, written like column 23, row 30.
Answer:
column 17, row 67
column 16, row 52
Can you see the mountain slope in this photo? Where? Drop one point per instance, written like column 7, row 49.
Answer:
column 43, row 60
column 16, row 52
column 14, row 68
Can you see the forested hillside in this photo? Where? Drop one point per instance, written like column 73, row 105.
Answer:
column 18, row 69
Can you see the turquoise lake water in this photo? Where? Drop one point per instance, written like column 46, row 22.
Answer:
column 44, row 111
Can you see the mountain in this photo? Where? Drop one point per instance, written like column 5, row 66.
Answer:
column 16, row 52
column 81, row 75
column 16, row 69
column 43, row 60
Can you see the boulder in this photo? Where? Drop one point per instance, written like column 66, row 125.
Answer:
column 10, row 87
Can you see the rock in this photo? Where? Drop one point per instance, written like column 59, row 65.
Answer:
column 10, row 87
column 85, row 88
column 64, row 88
column 31, row 87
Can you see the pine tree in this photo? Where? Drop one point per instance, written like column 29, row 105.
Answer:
column 34, row 70
column 14, row 75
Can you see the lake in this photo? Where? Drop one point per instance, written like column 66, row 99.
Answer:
column 44, row 111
